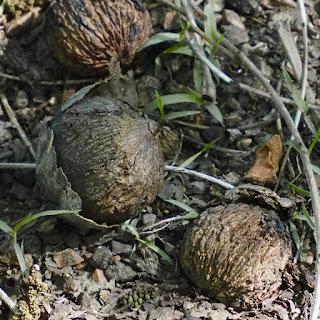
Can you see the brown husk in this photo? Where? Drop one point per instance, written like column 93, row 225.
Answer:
column 89, row 36
column 237, row 253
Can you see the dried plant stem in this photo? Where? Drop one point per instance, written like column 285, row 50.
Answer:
column 221, row 183
column 7, row 300
column 16, row 124
column 17, row 166
column 303, row 84
column 264, row 94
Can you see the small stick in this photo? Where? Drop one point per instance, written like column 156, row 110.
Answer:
column 263, row 94
column 167, row 221
column 155, row 230
column 221, row 183
column 8, row 301
column 14, row 121
column 17, row 166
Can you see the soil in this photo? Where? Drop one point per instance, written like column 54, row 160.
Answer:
column 77, row 273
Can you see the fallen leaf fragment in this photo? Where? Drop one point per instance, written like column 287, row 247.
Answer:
column 67, row 257
column 266, row 166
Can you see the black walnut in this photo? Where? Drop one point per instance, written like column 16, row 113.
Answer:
column 237, row 253
column 89, row 36
column 110, row 155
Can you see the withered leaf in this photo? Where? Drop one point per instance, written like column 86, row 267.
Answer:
column 267, row 161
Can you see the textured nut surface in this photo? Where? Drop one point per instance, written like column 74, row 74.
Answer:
column 110, row 156
column 237, row 253
column 89, row 35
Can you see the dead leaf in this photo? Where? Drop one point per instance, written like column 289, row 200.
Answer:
column 267, row 162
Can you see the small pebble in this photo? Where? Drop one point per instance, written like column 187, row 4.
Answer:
column 101, row 258
column 120, row 272
column 67, row 257
column 120, row 248
column 98, row 276
column 149, row 218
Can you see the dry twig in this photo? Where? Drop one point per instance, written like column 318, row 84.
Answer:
column 16, row 124
column 221, row 183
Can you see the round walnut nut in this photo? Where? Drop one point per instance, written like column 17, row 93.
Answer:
column 237, row 253
column 88, row 36
column 110, row 155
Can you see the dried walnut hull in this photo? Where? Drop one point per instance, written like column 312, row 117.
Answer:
column 237, row 253
column 89, row 35
column 110, row 155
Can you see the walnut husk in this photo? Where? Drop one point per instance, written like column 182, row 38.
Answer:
column 90, row 36
column 110, row 155
column 237, row 253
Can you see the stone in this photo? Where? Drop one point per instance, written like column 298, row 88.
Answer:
column 66, row 258
column 101, row 258
column 120, row 248
column 232, row 18
column 120, row 272
column 235, row 34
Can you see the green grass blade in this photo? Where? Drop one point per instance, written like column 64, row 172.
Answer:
column 305, row 216
column 20, row 256
column 210, row 24
column 215, row 112
column 299, row 190
column 191, row 215
column 175, row 99
column 191, row 159
column 157, row 250
column 180, row 114
column 294, row 92
column 131, row 229
column 178, row 48
column 160, row 105
column 314, row 142
column 28, row 219
column 295, row 235
column 5, row 228
column 197, row 75
column 180, row 204
column 160, row 38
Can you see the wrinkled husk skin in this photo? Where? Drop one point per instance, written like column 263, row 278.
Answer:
column 88, row 35
column 237, row 254
column 111, row 156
